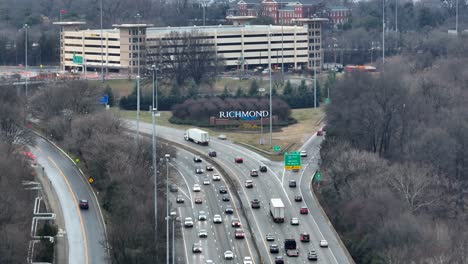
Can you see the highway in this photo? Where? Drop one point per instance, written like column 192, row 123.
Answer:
column 84, row 228
column 220, row 236
column 272, row 184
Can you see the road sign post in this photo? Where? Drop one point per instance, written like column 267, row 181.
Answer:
column 292, row 160
column 277, row 148
column 318, row 176
column 77, row 59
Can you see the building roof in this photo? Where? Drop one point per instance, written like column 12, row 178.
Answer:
column 219, row 29
column 344, row 8
column 304, row 2
column 287, row 8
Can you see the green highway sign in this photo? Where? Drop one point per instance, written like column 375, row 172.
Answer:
column 318, row 176
column 277, row 148
column 292, row 160
column 77, row 59
column 327, row 100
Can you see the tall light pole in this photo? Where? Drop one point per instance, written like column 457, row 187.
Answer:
column 155, row 170
column 315, row 78
column 456, row 17
column 26, row 26
column 138, row 16
column 102, row 47
column 269, row 70
column 383, row 33
column 173, row 239
column 167, row 156
column 396, row 15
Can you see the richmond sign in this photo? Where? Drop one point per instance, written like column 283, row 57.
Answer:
column 245, row 115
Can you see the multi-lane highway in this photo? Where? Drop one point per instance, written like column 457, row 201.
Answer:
column 84, row 229
column 220, row 236
column 272, row 184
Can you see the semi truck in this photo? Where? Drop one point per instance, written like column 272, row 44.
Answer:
column 277, row 210
column 197, row 135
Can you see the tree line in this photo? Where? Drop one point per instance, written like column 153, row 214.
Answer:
column 395, row 160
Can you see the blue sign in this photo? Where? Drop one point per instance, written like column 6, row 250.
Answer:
column 104, row 99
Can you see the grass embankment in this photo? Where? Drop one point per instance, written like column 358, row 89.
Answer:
column 308, row 121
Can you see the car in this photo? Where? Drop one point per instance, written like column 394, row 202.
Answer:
column 279, row 260
column 206, row 182
column 304, row 237
column 216, row 177
column 209, row 167
column 196, row 187
column 198, row 201
column 196, row 248
column 323, row 243
column 84, row 204
column 249, row 184
column 254, row 173
column 292, row 183
column 228, row 255
column 304, row 210
column 217, row 219
column 238, row 160
column 180, row 199
column 292, row 253
column 239, row 233
column 222, row 137
column 229, row 210
column 197, row 159
column 173, row 188
column 226, row 198
column 222, row 189
column 294, row 221
column 235, row 222
column 312, row 255
column 270, row 237
column 202, row 233
column 202, row 216
column 198, row 170
column 255, row 204
column 263, row 168
column 303, row 153
column 320, row 133
column 212, row 153
column 298, row 198
column 274, row 248
column 248, row 260
column 188, row 222
column 295, row 170
column 209, row 261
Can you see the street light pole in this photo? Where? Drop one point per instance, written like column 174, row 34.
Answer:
column 383, row 33
column 173, row 239
column 155, row 170
column 269, row 69
column 167, row 156
column 102, row 47
column 138, row 16
column 315, row 78
column 26, row 26
column 456, row 18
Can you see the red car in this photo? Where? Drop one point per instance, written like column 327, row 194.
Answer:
column 239, row 160
column 304, row 210
column 305, row 237
column 198, row 200
column 235, row 223
column 84, row 204
column 320, row 133
column 239, row 233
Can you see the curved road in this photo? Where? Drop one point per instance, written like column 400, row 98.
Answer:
column 84, row 228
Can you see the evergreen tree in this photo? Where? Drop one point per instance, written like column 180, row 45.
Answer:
column 193, row 89
column 175, row 90
column 110, row 94
column 253, row 90
column 239, row 92
column 225, row 92
column 288, row 89
column 302, row 89
column 274, row 92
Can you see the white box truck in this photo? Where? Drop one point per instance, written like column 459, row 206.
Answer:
column 197, row 135
column 277, row 210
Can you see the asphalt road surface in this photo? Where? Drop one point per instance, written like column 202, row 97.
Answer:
column 84, row 228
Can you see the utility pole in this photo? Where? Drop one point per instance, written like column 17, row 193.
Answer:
column 396, row 15
column 383, row 33
column 167, row 156
column 102, row 47
column 138, row 16
column 315, row 78
column 269, row 69
column 26, row 26
column 155, row 169
column 456, row 18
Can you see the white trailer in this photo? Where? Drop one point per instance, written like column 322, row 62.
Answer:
column 197, row 135
column 277, row 210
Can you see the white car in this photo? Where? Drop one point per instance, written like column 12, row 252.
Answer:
column 323, row 243
column 217, row 219
column 196, row 187
column 303, row 153
column 294, row 221
column 248, row 260
column 216, row 177
column 206, row 182
column 202, row 216
column 222, row 137
column 202, row 233
column 188, row 222
column 228, row 255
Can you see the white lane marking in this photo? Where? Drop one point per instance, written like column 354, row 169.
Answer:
column 186, row 183
column 183, row 238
